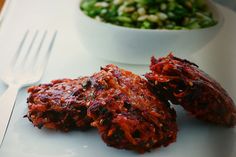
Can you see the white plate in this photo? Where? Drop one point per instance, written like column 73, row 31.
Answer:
column 195, row 139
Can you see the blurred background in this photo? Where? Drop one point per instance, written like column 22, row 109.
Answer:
column 229, row 3
column 1, row 3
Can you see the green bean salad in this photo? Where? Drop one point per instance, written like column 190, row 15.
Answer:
column 151, row 14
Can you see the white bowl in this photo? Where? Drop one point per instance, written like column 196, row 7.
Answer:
column 136, row 46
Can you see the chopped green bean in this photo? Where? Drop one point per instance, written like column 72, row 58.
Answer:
column 124, row 19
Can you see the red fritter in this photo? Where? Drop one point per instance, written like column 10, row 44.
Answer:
column 61, row 104
column 127, row 114
column 184, row 83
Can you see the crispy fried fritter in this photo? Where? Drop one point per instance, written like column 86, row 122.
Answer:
column 117, row 102
column 184, row 83
column 61, row 104
column 127, row 114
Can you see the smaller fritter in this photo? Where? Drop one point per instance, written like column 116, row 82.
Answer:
column 184, row 83
column 61, row 104
column 127, row 114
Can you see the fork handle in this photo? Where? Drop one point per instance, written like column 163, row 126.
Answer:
column 7, row 103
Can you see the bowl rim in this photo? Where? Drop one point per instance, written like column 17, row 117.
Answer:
column 217, row 14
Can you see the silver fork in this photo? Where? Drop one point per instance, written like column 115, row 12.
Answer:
column 26, row 68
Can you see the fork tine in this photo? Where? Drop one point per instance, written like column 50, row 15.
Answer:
column 41, row 43
column 16, row 55
column 26, row 56
column 46, row 56
column 36, row 56
column 52, row 42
